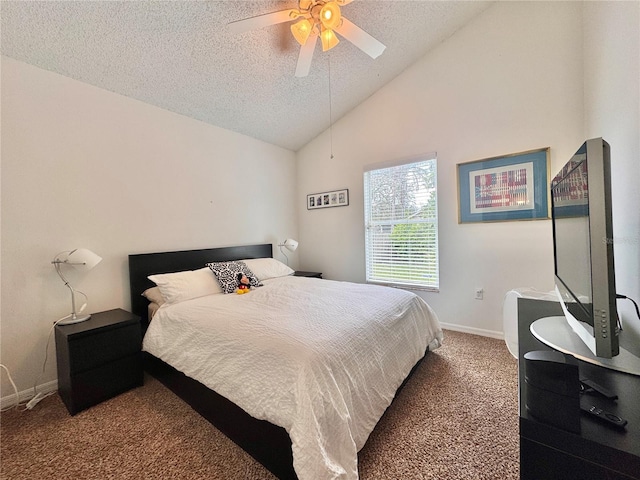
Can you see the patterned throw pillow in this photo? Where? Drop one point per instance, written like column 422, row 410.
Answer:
column 227, row 275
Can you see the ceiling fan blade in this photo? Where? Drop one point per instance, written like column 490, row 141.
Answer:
column 360, row 38
column 306, row 55
column 265, row 20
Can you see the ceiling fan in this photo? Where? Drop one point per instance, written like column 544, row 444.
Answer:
column 315, row 18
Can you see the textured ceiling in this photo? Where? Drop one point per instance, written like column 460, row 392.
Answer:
column 178, row 55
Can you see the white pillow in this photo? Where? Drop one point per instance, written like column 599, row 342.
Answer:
column 180, row 286
column 154, row 295
column 265, row 268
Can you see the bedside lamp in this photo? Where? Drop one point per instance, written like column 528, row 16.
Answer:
column 290, row 244
column 80, row 259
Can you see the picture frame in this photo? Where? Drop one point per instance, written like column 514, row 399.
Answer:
column 505, row 188
column 334, row 198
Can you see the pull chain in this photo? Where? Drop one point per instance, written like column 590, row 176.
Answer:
column 330, row 113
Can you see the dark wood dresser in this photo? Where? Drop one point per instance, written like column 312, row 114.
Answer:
column 99, row 358
column 599, row 451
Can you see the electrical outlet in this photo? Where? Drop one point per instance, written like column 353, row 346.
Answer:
column 479, row 293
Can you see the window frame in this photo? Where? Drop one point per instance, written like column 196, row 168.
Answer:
column 432, row 266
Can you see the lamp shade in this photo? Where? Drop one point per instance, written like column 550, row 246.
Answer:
column 301, row 30
column 329, row 39
column 290, row 244
column 83, row 259
column 330, row 15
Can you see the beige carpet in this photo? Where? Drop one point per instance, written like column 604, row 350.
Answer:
column 457, row 418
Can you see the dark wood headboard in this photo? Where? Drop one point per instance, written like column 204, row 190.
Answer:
column 141, row 265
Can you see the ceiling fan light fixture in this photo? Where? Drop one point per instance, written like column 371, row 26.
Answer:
column 313, row 19
column 301, row 30
column 329, row 39
column 330, row 15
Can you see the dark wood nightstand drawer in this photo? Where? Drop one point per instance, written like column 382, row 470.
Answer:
column 101, row 383
column 300, row 273
column 105, row 346
column 98, row 358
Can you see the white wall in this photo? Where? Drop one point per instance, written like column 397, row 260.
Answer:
column 508, row 82
column 612, row 111
column 83, row 167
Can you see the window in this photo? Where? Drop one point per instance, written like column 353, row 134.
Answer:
column 401, row 223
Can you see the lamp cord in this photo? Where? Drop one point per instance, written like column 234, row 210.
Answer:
column 46, row 357
column 36, row 395
column 15, row 389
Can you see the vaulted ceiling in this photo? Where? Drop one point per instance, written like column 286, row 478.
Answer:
column 180, row 56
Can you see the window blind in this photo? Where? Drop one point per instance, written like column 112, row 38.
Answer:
column 401, row 224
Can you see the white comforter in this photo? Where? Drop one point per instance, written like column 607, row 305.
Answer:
column 320, row 358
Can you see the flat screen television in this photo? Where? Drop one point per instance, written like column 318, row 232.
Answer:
column 583, row 247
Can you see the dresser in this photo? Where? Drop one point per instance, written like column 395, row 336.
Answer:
column 599, row 451
column 99, row 358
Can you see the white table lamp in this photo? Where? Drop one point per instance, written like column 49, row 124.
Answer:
column 290, row 244
column 80, row 259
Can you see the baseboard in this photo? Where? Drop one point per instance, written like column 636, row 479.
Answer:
column 26, row 395
column 474, row 331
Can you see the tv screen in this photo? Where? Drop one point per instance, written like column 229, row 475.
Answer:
column 583, row 247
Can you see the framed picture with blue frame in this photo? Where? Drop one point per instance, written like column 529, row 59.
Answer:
column 509, row 187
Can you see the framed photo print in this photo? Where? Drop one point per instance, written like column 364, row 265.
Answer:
column 335, row 198
column 510, row 187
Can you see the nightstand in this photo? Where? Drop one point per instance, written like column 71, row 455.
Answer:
column 99, row 358
column 299, row 273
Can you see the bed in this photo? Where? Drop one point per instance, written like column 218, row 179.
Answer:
column 297, row 372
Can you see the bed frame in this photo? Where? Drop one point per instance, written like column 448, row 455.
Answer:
column 269, row 444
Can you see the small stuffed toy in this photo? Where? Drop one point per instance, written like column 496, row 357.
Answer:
column 244, row 284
